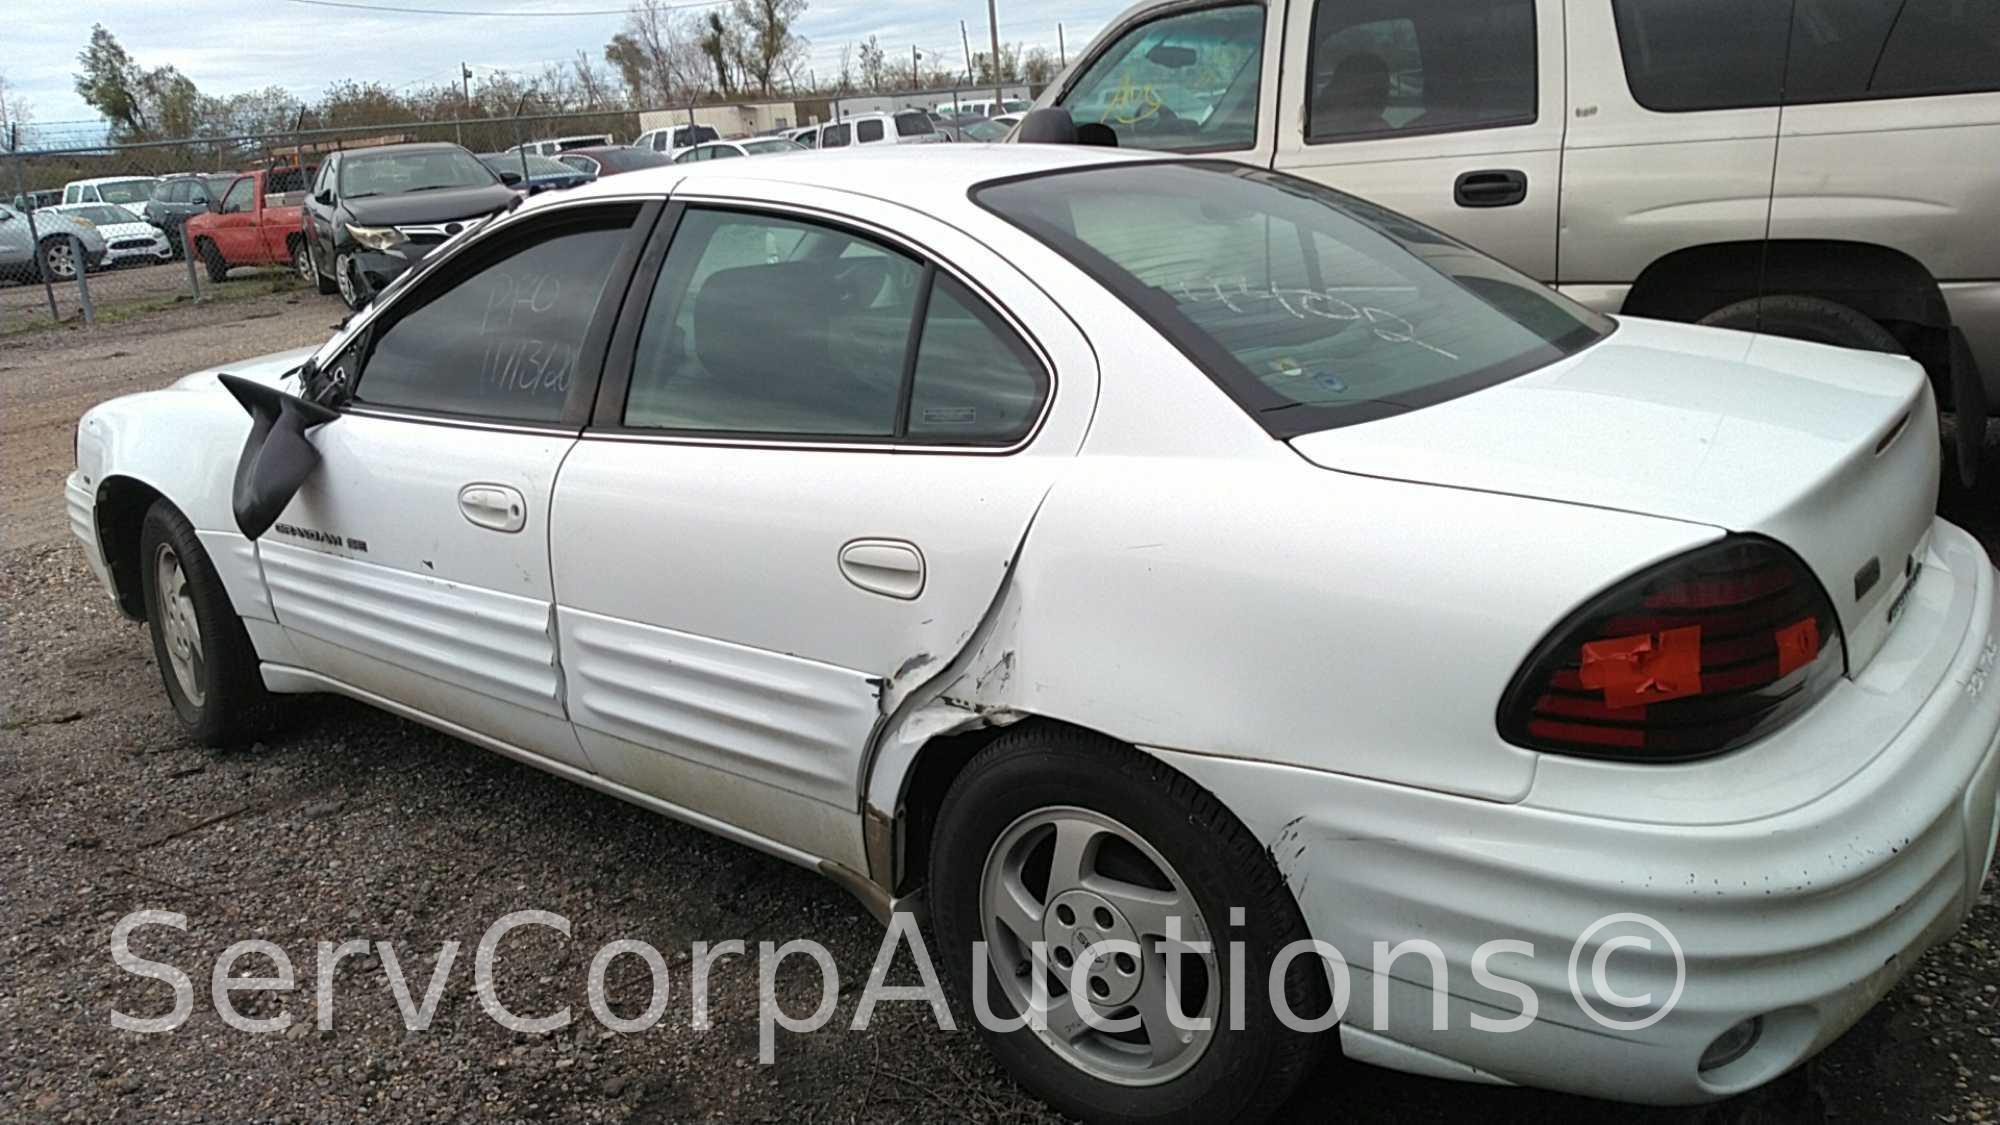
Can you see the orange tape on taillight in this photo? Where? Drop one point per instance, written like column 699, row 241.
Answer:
column 1644, row 668
column 1798, row 646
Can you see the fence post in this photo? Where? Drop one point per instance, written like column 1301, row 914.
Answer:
column 80, row 261
column 35, row 239
column 187, row 257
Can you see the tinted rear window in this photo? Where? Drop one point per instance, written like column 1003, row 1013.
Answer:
column 867, row 131
column 1311, row 308
column 1703, row 54
column 1852, row 50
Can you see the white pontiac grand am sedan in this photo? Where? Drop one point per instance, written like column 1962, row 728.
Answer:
column 1112, row 550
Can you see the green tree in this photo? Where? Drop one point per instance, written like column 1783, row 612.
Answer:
column 113, row 85
column 770, row 47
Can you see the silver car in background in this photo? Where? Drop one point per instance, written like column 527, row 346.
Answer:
column 28, row 251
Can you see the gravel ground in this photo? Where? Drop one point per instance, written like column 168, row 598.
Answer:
column 346, row 823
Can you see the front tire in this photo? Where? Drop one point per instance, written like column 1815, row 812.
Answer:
column 1066, row 838
column 349, row 281
column 325, row 285
column 213, row 261
column 58, row 259
column 205, row 658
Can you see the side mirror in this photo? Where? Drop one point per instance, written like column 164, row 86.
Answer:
column 325, row 197
column 511, row 179
column 214, row 206
column 276, row 457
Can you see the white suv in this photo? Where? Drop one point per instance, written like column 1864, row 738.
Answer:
column 903, row 127
column 1807, row 167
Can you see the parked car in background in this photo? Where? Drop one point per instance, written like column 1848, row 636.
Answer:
column 533, row 173
column 1812, row 169
column 904, row 127
column 35, row 200
column 176, row 199
column 611, row 160
column 32, row 251
column 725, row 150
column 671, row 139
column 805, row 136
column 564, row 144
column 976, row 130
column 374, row 212
column 127, row 241
column 1275, row 570
column 983, row 107
column 249, row 224
column 129, row 192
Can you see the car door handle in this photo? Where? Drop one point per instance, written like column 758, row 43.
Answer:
column 1490, row 187
column 889, row 567
column 494, row 506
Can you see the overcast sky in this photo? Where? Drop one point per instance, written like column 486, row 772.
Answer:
column 227, row 46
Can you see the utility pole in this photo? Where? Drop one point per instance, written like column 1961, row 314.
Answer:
column 465, row 98
column 993, row 25
column 1062, row 56
column 916, row 83
column 967, row 41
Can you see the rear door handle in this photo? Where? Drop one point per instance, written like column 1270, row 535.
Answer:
column 493, row 506
column 1490, row 187
column 889, row 567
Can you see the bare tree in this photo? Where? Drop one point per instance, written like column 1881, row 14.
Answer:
column 14, row 111
column 770, row 47
column 1038, row 66
column 659, row 54
column 591, row 82
column 872, row 63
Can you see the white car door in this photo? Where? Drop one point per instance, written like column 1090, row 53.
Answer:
column 413, row 564
column 813, row 460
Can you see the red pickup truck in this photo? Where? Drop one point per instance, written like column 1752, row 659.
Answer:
column 256, row 221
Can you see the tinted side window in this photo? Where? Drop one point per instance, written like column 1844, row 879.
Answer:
column 834, row 137
column 975, row 381
column 1386, row 65
column 760, row 324
column 867, row 132
column 1703, row 54
column 1850, row 50
column 1184, row 83
column 501, row 340
column 913, row 125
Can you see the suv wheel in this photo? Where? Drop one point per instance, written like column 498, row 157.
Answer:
column 1806, row 318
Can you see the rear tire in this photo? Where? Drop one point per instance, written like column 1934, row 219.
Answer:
column 212, row 260
column 1806, row 318
column 1154, row 831
column 206, row 661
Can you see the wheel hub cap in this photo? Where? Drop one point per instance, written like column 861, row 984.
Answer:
column 179, row 628
column 1058, row 885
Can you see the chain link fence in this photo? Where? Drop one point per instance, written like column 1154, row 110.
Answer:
column 101, row 234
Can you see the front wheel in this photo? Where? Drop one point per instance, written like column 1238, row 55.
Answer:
column 1076, row 860
column 205, row 658
column 58, row 259
column 213, row 261
column 345, row 275
column 323, row 284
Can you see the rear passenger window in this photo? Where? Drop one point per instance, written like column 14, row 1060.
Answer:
column 834, row 137
column 762, row 325
column 1387, row 66
column 501, row 341
column 1852, row 50
column 913, row 125
column 867, row 132
column 1703, row 54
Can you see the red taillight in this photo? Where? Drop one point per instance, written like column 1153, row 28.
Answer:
column 1694, row 656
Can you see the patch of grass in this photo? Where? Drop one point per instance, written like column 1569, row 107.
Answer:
column 120, row 312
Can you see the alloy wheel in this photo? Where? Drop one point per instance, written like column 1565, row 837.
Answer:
column 61, row 257
column 1071, row 879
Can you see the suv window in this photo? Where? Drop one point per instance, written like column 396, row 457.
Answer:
column 1385, row 66
column 1703, row 54
column 1852, row 50
column 241, row 198
column 1183, row 83
column 502, row 340
column 913, row 125
column 835, row 136
column 767, row 325
column 868, row 132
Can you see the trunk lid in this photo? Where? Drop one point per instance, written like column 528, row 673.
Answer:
column 1832, row 452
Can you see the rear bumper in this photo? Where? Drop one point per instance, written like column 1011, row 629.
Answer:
column 1803, row 916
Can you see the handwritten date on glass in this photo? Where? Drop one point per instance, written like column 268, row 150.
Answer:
column 1324, row 304
column 530, row 336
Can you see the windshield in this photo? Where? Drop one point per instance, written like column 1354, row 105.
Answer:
column 1311, row 308
column 387, row 173
column 125, row 191
column 537, row 165
column 99, row 214
column 761, row 148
